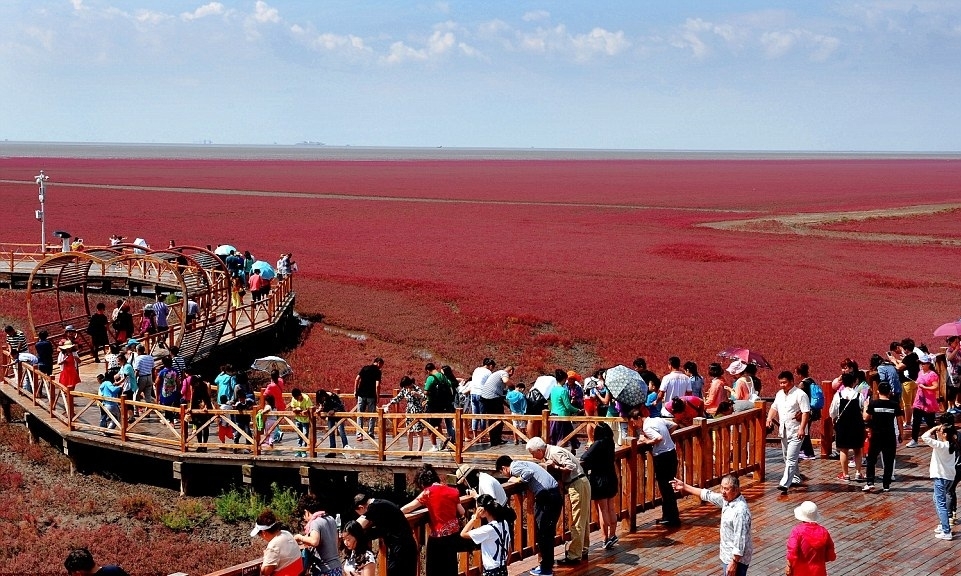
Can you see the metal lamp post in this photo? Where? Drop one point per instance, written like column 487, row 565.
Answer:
column 41, row 180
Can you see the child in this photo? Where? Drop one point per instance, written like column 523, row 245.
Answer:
column 224, row 431
column 267, row 422
column 415, row 399
column 652, row 404
column 110, row 390
column 944, row 440
column 517, row 401
column 301, row 407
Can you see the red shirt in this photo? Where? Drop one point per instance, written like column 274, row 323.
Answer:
column 274, row 390
column 809, row 549
column 441, row 502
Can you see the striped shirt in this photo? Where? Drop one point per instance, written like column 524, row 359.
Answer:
column 492, row 387
column 17, row 342
column 144, row 365
column 536, row 477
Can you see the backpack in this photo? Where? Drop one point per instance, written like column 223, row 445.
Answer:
column 441, row 394
column 535, row 402
column 169, row 383
column 817, row 396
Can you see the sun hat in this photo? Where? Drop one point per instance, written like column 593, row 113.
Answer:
column 736, row 367
column 67, row 345
column 462, row 471
column 258, row 528
column 69, row 328
column 807, row 512
column 926, row 359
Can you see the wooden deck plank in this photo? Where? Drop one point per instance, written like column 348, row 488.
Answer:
column 874, row 533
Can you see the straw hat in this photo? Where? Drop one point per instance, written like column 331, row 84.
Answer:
column 462, row 471
column 807, row 512
column 67, row 346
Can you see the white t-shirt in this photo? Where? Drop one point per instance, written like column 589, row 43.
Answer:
column 487, row 484
column 494, row 541
column 788, row 406
column 477, row 378
column 654, row 427
column 674, row 385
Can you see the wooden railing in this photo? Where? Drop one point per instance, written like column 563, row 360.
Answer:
column 707, row 451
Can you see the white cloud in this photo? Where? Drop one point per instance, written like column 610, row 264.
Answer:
column 778, row 43
column 767, row 33
column 536, row 16
column 77, row 4
column 442, row 41
column 329, row 42
column 264, row 14
column 211, row 9
column 150, row 17
column 598, row 42
column 43, row 37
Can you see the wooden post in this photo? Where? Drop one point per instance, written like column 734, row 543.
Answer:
column 123, row 418
column 827, row 425
column 312, row 435
column 704, row 455
column 183, row 428
column 68, row 400
column 545, row 424
column 458, row 436
column 632, row 464
column 381, row 435
column 760, row 434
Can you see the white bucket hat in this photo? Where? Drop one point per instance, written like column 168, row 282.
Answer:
column 807, row 512
column 736, row 367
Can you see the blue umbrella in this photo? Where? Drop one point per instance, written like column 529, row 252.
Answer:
column 266, row 270
column 224, row 250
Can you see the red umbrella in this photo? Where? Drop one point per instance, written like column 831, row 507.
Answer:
column 949, row 329
column 745, row 355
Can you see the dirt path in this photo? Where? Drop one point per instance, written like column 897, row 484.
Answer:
column 806, row 224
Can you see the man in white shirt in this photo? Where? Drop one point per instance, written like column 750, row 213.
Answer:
column 673, row 385
column 477, row 379
column 492, row 393
column 792, row 408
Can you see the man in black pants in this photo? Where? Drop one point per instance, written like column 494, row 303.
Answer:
column 881, row 415
column 385, row 520
column 547, row 505
column 656, row 433
column 492, row 393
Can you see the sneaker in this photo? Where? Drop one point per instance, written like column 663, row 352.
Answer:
column 348, row 447
column 885, row 489
column 806, row 457
column 912, row 444
column 360, row 436
column 536, row 571
column 851, row 464
column 944, row 536
column 867, row 488
column 434, row 449
column 796, row 481
column 858, row 477
column 843, row 477
column 938, row 530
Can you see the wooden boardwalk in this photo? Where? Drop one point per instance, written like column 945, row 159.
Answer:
column 874, row 533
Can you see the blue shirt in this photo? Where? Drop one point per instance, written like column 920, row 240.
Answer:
column 517, row 402
column 144, row 365
column 536, row 477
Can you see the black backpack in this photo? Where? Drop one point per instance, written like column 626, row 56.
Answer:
column 440, row 396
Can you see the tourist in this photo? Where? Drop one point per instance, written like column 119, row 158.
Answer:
column 650, row 378
column 44, row 348
column 538, row 400
column 69, row 363
column 494, row 537
column 846, row 411
column 283, row 267
column 882, row 417
column 255, row 284
column 716, row 390
column 225, row 381
column 329, row 403
column 17, row 341
column 79, row 562
column 809, row 546
column 952, row 384
column 97, row 330
column 601, row 469
column 275, row 389
column 301, row 406
column 656, row 433
column 908, row 364
column 562, row 463
column 743, row 388
column 144, row 365
column 925, row 406
column 547, row 506
column 517, row 403
column 809, row 386
column 110, row 411
column 479, row 483
column 492, row 393
column 367, row 391
column 684, row 409
column 282, row 554
column 192, row 310
column 267, row 422
column 148, row 322
column 320, row 539
column 478, row 376
column 168, row 385
column 674, row 384
column 385, row 520
column 123, row 326
column 248, row 266
column 237, row 292
column 697, row 381
column 944, row 440
column 737, row 545
column 197, row 395
column 444, row 512
column 161, row 311
column 440, row 400
column 359, row 559
column 792, row 409
column 414, row 400
column 242, row 398
column 561, row 406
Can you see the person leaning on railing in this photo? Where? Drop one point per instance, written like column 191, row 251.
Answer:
column 494, row 537
column 547, row 506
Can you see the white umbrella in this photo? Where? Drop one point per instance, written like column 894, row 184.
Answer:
column 224, row 250
column 270, row 363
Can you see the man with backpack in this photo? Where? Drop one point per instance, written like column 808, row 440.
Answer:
column 440, row 399
column 816, row 399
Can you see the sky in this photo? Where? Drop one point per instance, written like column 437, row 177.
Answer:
column 634, row 74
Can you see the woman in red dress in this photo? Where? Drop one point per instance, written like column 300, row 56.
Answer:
column 69, row 364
